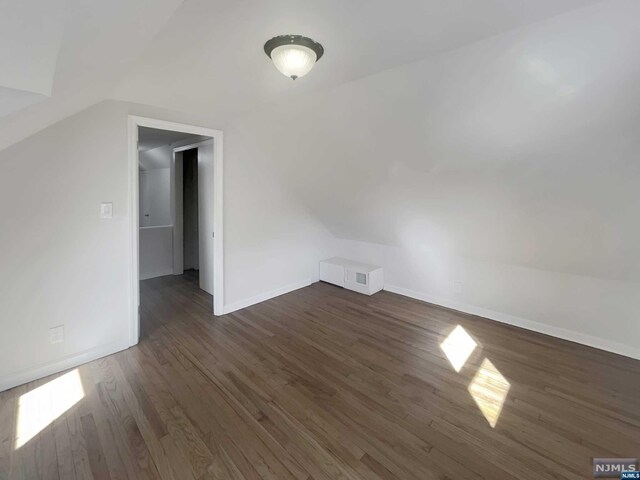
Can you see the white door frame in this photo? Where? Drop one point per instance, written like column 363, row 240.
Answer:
column 218, row 244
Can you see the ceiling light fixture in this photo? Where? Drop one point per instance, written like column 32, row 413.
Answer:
column 293, row 55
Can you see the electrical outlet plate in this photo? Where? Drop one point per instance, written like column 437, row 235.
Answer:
column 56, row 334
column 106, row 210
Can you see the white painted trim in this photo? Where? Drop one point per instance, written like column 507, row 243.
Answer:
column 162, row 273
column 24, row 376
column 174, row 126
column 218, row 268
column 218, row 224
column 263, row 297
column 134, row 205
column 563, row 333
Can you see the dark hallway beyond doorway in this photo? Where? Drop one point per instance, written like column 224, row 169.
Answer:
column 190, row 210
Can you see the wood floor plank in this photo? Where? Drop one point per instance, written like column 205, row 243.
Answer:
column 8, row 410
column 323, row 383
column 64, row 454
column 78, row 447
column 97, row 462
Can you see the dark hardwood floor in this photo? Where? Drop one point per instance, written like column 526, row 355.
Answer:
column 324, row 383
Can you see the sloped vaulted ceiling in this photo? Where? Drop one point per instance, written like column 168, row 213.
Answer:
column 30, row 38
column 60, row 56
column 205, row 56
column 209, row 57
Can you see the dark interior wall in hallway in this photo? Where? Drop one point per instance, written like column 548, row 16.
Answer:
column 190, row 205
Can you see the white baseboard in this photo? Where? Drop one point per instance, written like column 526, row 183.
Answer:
column 147, row 276
column 266, row 296
column 565, row 334
column 24, row 376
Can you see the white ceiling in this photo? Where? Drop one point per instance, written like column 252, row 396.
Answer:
column 60, row 56
column 205, row 56
column 209, row 57
column 30, row 38
column 156, row 146
column 150, row 138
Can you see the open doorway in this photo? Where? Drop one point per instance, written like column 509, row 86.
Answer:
column 177, row 199
column 194, row 212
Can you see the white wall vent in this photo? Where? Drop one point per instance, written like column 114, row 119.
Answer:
column 359, row 277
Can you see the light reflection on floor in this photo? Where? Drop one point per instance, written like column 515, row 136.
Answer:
column 489, row 389
column 458, row 347
column 40, row 407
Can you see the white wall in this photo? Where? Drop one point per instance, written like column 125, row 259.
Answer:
column 499, row 178
column 155, row 158
column 156, row 232
column 155, row 201
column 594, row 311
column 272, row 242
column 62, row 264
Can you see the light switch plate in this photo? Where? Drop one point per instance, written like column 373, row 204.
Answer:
column 56, row 334
column 106, row 210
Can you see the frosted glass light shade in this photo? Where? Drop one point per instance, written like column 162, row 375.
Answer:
column 293, row 55
column 294, row 61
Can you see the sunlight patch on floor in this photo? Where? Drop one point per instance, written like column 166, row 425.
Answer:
column 489, row 389
column 458, row 347
column 40, row 407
